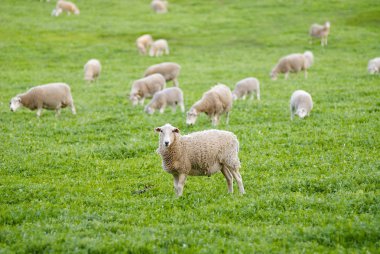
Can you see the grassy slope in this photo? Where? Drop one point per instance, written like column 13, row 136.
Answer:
column 69, row 184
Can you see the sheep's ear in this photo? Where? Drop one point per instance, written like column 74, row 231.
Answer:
column 176, row 130
column 158, row 129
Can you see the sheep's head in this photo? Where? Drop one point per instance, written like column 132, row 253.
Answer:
column 167, row 134
column 76, row 12
column 234, row 96
column 273, row 75
column 15, row 103
column 149, row 110
column 134, row 97
column 192, row 115
column 372, row 69
column 301, row 112
column 327, row 24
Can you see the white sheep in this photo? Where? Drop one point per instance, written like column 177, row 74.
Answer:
column 293, row 63
column 320, row 31
column 66, row 6
column 216, row 101
column 172, row 96
column 52, row 96
column 200, row 153
column 92, row 70
column 300, row 104
column 143, row 43
column 146, row 87
column 159, row 47
column 159, row 6
column 247, row 86
column 169, row 70
column 374, row 65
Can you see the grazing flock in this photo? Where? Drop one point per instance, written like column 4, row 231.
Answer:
column 200, row 153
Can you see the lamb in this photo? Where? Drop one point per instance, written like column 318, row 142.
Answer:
column 245, row 87
column 169, row 70
column 216, row 101
column 143, row 43
column 159, row 47
column 92, row 70
column 172, row 96
column 300, row 104
column 159, row 6
column 293, row 63
column 320, row 31
column 146, row 87
column 374, row 65
column 66, row 6
column 52, row 96
column 200, row 153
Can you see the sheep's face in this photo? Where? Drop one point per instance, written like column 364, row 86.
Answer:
column 15, row 103
column 149, row 110
column 302, row 113
column 76, row 12
column 167, row 134
column 134, row 97
column 273, row 75
column 234, row 96
column 371, row 69
column 192, row 115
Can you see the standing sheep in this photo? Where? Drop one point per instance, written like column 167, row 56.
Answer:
column 143, row 43
column 300, row 104
column 92, row 70
column 146, row 87
column 66, row 6
column 320, row 31
column 199, row 154
column 172, row 96
column 159, row 6
column 216, row 101
column 374, row 65
column 159, row 47
column 169, row 70
column 52, row 96
column 245, row 87
column 293, row 63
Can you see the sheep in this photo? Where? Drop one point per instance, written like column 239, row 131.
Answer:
column 143, row 43
column 300, row 104
column 92, row 70
column 200, row 153
column 293, row 63
column 245, row 87
column 159, row 47
column 159, row 6
column 374, row 65
column 216, row 101
column 320, row 31
column 66, row 6
column 53, row 96
column 172, row 96
column 146, row 87
column 169, row 70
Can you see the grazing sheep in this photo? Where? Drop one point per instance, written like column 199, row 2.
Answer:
column 146, row 87
column 216, row 101
column 172, row 96
column 66, row 6
column 159, row 6
column 169, row 70
column 159, row 47
column 200, row 153
column 300, row 104
column 245, row 87
column 320, row 31
column 143, row 43
column 52, row 96
column 92, row 70
column 293, row 63
column 374, row 65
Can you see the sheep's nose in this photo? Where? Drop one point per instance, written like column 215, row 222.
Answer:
column 12, row 109
column 166, row 143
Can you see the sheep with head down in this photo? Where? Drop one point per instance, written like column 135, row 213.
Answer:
column 169, row 70
column 301, row 104
column 247, row 86
column 143, row 43
column 66, row 6
column 159, row 47
column 146, row 88
column 320, row 31
column 172, row 96
column 374, row 65
column 92, row 70
column 200, row 153
column 293, row 63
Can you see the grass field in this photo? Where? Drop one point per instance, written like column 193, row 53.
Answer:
column 92, row 182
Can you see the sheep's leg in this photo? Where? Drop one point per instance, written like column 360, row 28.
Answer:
column 228, row 117
column 214, row 120
column 176, row 178
column 162, row 109
column 142, row 101
column 305, row 73
column 180, row 184
column 239, row 180
column 244, row 97
column 291, row 113
column 167, row 51
column 286, row 75
column 229, row 179
column 73, row 109
column 39, row 111
column 175, row 82
column 174, row 108
column 182, row 107
column 57, row 112
column 258, row 95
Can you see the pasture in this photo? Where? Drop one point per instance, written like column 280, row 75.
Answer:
column 93, row 182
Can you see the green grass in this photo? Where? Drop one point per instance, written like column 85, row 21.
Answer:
column 93, row 182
